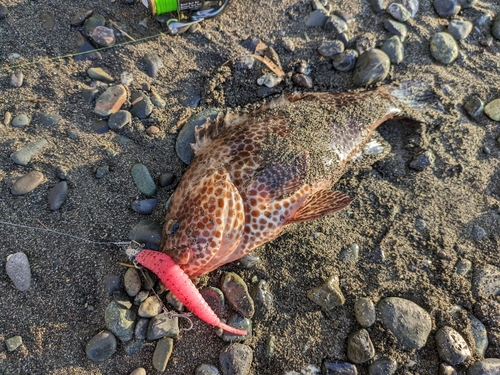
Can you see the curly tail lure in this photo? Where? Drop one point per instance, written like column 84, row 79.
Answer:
column 182, row 287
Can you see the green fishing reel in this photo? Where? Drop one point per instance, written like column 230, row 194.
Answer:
column 195, row 11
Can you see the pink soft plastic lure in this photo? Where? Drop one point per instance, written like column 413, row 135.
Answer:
column 182, row 287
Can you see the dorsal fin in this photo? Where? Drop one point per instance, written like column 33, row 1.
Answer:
column 204, row 134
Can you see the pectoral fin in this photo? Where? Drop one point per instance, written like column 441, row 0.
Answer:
column 321, row 203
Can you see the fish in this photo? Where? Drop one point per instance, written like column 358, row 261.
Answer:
column 255, row 174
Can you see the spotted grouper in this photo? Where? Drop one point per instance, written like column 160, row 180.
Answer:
column 255, row 174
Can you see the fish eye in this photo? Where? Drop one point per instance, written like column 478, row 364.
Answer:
column 172, row 226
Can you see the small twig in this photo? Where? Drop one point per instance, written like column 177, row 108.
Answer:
column 126, row 265
column 120, row 30
column 266, row 60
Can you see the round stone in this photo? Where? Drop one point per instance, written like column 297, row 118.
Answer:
column 394, row 49
column 119, row 119
column 150, row 307
column 446, row 8
column 345, row 61
column 328, row 49
column 327, row 295
column 398, row 12
column 350, row 254
column 162, row 353
column 263, row 300
column 27, row 183
column 18, row 269
column 143, row 179
column 145, row 206
column 103, row 36
column 473, row 105
column 101, row 346
column 239, row 322
column 120, row 321
column 451, row 346
column 50, row 119
column 132, row 282
column 444, row 48
column 486, row 281
column 372, row 66
column 396, row 28
column 153, row 64
column 364, row 311
column 236, row 359
column 163, row 326
column 460, row 29
column 492, row 109
column 236, row 292
column 479, row 334
column 111, row 100
column 383, row 366
column 20, row 120
column 359, row 347
column 139, row 371
column 487, row 366
column 100, row 74
column 147, row 232
column 57, row 195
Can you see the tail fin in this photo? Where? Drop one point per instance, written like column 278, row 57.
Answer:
column 418, row 98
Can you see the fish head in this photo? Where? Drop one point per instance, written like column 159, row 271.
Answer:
column 204, row 223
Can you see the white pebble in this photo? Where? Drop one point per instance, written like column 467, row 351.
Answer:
column 19, row 271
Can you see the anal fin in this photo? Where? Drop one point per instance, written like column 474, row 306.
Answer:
column 321, row 203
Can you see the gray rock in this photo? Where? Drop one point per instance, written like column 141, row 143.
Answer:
column 163, row 326
column 488, row 366
column 394, row 49
column 263, row 300
column 100, row 74
column 383, row 366
column 328, row 49
column 20, row 120
column 495, row 29
column 142, row 106
column 372, row 66
column 143, row 179
column 147, row 232
column 153, row 64
column 412, row 6
column 423, row 161
column 150, row 307
column 486, row 281
column 236, row 359
column 236, row 292
column 101, row 346
column 126, row 78
column 479, row 334
column 316, row 18
column 345, row 61
column 92, row 22
column 89, row 95
column 473, row 105
column 359, row 347
column 396, row 28
column 379, row 5
column 446, row 8
column 112, row 283
column 205, row 369
column 162, row 353
column 120, row 321
column 133, row 346
column 463, row 267
column 364, row 311
column 338, row 368
column 335, row 25
column 16, row 80
column 102, row 171
column 350, row 254
column 444, row 48
column 460, row 29
column 139, row 371
column 398, row 12
column 407, row 321
column 100, row 127
column 132, row 282
column 479, row 234
column 186, row 134
column 27, row 183
column 173, row 301
column 238, row 322
column 492, row 109
column 103, row 36
column 14, row 342
column 80, row 18
column 327, row 295
column 57, row 195
column 451, row 346
column 119, row 119
column 25, row 153
column 166, row 179
column 466, row 3
column 145, row 206
column 50, row 119
column 18, row 269
column 141, row 329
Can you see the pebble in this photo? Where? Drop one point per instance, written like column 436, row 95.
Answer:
column 14, row 342
column 460, row 29
column 142, row 106
column 328, row 49
column 288, row 44
column 414, row 329
column 132, row 282
column 112, row 283
column 20, row 120
column 89, row 95
column 4, row 11
column 423, row 161
column 379, row 5
column 152, row 130
column 57, row 195
column 444, row 48
column 364, row 311
column 145, row 206
column 153, row 64
column 25, row 153
column 372, row 66
column 269, row 80
column 120, row 321
column 263, row 300
column 446, row 8
column 18, row 269
column 111, row 100
column 205, row 369
column 138, row 371
column 126, row 78
column 215, row 299
column 398, row 12
column 186, row 134
column 236, row 359
column 150, row 307
column 236, row 292
column 102, row 171
column 451, row 346
column 479, row 334
column 141, row 329
column 473, row 105
column 239, row 322
column 103, row 36
column 302, row 80
column 338, row 368
column 327, row 295
column 350, row 254
column 463, row 267
column 495, row 29
column 335, row 25
column 100, row 127
column 49, row 119
column 488, row 366
column 119, row 119
column 157, row 100
column 492, row 109
column 394, row 49
column 16, row 80
column 412, row 6
column 147, row 232
column 100, row 74
column 345, row 61
column 7, row 118
column 162, row 326
column 446, row 369
column 80, row 18
column 317, row 18
column 248, row 261
column 27, row 183
column 359, row 347
column 486, row 281
column 143, row 179
column 141, row 297
column 173, row 301
column 162, row 353
column 92, row 22
column 383, row 366
column 479, row 234
column 101, row 346
column 89, row 49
